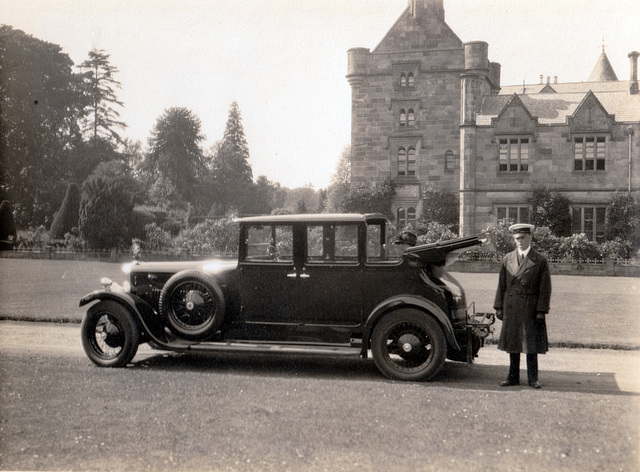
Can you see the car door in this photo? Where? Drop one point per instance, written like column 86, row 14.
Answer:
column 329, row 282
column 268, row 284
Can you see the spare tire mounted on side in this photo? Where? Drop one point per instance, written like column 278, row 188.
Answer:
column 192, row 305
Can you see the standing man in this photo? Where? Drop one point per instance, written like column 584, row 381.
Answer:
column 522, row 300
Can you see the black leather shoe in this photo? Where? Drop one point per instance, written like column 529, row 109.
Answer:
column 508, row 383
column 535, row 384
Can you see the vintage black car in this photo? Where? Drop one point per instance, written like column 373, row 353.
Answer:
column 326, row 283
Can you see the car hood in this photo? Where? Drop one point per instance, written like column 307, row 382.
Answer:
column 443, row 252
column 211, row 266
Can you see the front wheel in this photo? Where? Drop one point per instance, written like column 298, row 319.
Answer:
column 110, row 334
column 408, row 345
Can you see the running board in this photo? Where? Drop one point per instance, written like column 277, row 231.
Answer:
column 263, row 347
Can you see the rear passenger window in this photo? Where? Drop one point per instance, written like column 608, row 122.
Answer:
column 270, row 243
column 332, row 243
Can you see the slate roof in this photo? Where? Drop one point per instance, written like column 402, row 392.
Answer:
column 603, row 71
column 554, row 108
column 552, row 103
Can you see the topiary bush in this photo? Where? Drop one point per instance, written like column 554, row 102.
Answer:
column 68, row 214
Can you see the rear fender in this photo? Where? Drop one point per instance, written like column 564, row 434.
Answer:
column 411, row 301
column 148, row 320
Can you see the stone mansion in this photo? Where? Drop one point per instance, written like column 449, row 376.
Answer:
column 429, row 111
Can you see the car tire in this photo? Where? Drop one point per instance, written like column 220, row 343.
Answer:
column 110, row 334
column 408, row 345
column 192, row 305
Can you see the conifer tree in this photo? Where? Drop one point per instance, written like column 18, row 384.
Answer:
column 232, row 174
column 102, row 116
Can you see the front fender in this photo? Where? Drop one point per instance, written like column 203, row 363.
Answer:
column 142, row 311
column 416, row 302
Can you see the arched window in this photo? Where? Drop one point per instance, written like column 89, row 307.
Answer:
column 411, row 161
column 411, row 216
column 402, row 161
column 401, row 217
column 411, row 117
column 410, row 79
column 403, row 117
column 403, row 80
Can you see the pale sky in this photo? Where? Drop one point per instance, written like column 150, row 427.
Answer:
column 285, row 61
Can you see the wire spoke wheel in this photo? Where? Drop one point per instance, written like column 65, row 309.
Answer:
column 192, row 304
column 408, row 345
column 110, row 335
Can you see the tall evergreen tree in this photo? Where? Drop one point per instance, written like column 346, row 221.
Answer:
column 175, row 153
column 232, row 174
column 102, row 116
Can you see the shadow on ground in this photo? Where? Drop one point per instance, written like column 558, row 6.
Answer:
column 457, row 375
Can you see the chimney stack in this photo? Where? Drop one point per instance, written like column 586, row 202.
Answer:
column 633, row 88
column 541, row 79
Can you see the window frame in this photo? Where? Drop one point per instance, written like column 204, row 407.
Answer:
column 598, row 221
column 509, row 208
column 522, row 159
column 594, row 160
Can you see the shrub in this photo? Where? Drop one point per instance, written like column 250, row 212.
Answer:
column 441, row 206
column 67, row 215
column 211, row 237
column 106, row 213
column 156, row 238
column 432, row 231
column 550, row 209
column 577, row 247
column 8, row 234
column 623, row 218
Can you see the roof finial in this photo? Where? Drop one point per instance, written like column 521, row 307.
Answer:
column 603, row 42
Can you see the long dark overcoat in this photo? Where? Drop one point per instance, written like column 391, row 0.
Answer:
column 523, row 292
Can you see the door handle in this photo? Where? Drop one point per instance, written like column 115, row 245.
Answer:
column 304, row 276
column 292, row 275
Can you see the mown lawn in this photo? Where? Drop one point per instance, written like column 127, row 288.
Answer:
column 584, row 310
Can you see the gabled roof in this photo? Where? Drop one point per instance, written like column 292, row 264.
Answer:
column 603, row 71
column 555, row 108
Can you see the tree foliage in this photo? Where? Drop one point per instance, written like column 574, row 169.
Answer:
column 623, row 218
column 101, row 120
column 550, row 209
column 340, row 182
column 175, row 154
column 232, row 174
column 67, row 216
column 363, row 198
column 106, row 210
column 42, row 101
column 441, row 206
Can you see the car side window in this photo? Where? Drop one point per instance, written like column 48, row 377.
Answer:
column 332, row 243
column 269, row 243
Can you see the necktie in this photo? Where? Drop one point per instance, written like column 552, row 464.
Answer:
column 519, row 258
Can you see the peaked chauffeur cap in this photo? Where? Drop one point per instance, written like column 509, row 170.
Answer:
column 521, row 228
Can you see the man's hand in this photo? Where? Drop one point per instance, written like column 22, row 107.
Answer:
column 499, row 314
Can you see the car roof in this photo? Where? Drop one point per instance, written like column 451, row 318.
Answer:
column 314, row 218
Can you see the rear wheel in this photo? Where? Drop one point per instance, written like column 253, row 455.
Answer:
column 110, row 334
column 408, row 345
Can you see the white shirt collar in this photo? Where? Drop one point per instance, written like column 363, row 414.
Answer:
column 525, row 252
